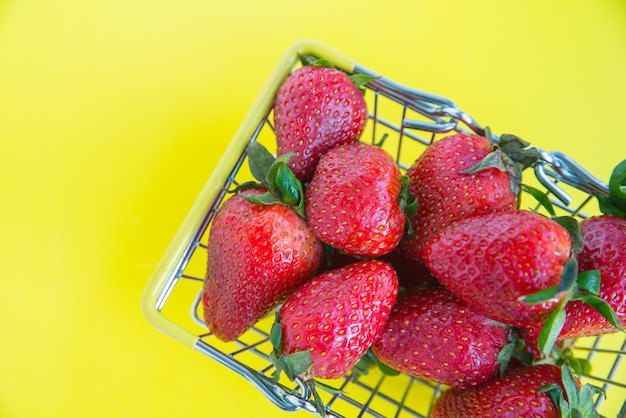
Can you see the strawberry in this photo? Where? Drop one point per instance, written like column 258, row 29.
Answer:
column 448, row 189
column 354, row 202
column 493, row 260
column 604, row 241
column 604, row 249
column 434, row 335
column 257, row 256
column 336, row 316
column 543, row 391
column 315, row 109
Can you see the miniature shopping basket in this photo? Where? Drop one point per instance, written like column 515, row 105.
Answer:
column 410, row 120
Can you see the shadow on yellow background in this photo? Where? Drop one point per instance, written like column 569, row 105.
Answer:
column 113, row 114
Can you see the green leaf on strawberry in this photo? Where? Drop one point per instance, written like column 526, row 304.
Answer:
column 586, row 403
column 274, row 175
column 297, row 363
column 382, row 140
column 569, row 399
column 519, row 150
column 501, row 161
column 408, row 204
column 539, row 390
column 290, row 188
column 266, row 198
column 551, row 329
column 259, row 160
column 368, row 362
column 573, row 227
column 615, row 202
column 328, row 388
column 276, row 333
column 577, row 287
column 589, row 281
column 541, row 197
column 294, row 364
column 318, row 62
column 565, row 286
column 578, row 365
column 359, row 80
column 600, row 305
column 364, row 365
column 505, row 355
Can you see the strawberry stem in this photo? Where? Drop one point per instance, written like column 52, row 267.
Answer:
column 320, row 407
column 499, row 160
column 519, row 150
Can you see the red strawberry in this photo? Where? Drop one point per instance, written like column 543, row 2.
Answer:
column 337, row 315
column 434, row 335
column 491, row 261
column 604, row 249
column 516, row 394
column 446, row 194
column 315, row 109
column 353, row 202
column 257, row 256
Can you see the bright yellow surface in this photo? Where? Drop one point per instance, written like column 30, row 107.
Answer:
column 113, row 114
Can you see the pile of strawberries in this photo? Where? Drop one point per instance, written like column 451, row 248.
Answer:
column 436, row 273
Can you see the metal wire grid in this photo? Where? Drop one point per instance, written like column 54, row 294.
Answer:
column 408, row 129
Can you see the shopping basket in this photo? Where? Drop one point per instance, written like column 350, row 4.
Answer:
column 410, row 120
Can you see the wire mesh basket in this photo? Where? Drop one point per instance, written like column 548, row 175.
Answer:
column 410, row 120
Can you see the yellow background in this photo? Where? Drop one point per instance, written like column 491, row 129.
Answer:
column 113, row 114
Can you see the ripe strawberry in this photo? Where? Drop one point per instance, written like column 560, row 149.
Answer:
column 257, row 255
column 434, row 335
column 337, row 315
column 604, row 249
column 537, row 391
column 604, row 244
column 315, row 109
column 353, row 202
column 493, row 260
column 447, row 193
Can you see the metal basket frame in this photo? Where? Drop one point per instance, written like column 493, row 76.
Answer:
column 417, row 119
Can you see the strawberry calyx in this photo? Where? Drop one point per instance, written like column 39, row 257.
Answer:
column 499, row 160
column 572, row 286
column 514, row 349
column 296, row 366
column 359, row 80
column 519, row 150
column 584, row 287
column 408, row 204
column 573, row 400
column 275, row 177
column 615, row 202
column 541, row 197
column 368, row 362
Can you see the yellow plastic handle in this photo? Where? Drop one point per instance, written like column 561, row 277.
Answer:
column 162, row 280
